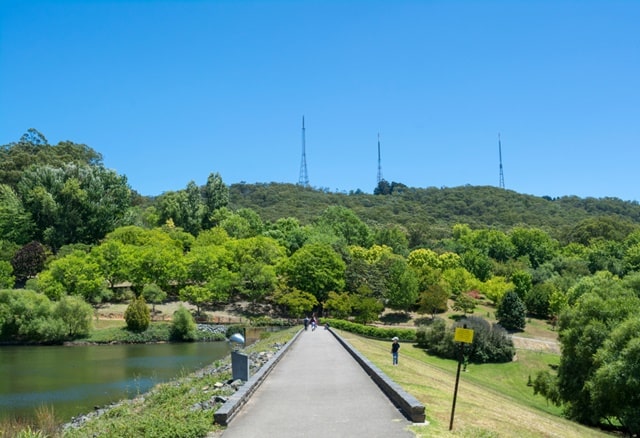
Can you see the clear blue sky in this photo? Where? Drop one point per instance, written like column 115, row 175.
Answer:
column 170, row 92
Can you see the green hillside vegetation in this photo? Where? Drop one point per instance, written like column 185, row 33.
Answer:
column 71, row 228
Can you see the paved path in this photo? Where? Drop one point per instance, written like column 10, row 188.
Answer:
column 318, row 389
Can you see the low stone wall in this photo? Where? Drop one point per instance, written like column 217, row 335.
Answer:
column 408, row 404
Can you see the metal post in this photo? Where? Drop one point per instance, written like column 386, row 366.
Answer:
column 455, row 394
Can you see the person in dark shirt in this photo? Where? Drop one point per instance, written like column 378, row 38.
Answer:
column 394, row 350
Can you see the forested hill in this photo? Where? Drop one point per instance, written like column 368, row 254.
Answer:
column 437, row 209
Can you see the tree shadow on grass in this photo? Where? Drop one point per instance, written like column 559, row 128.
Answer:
column 395, row 318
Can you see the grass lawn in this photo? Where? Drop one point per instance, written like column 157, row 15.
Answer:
column 493, row 399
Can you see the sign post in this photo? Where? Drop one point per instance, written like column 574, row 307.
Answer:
column 461, row 336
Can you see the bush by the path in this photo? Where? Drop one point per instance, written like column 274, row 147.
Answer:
column 491, row 343
column 404, row 334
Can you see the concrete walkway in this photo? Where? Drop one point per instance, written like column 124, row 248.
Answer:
column 318, row 389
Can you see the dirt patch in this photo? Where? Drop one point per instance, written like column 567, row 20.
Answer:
column 545, row 345
column 231, row 314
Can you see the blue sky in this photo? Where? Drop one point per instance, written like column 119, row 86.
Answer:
column 170, row 92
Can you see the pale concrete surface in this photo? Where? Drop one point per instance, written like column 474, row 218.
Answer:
column 318, row 389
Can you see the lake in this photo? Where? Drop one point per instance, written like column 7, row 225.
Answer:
column 74, row 379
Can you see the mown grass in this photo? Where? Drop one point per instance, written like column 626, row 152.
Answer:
column 493, row 399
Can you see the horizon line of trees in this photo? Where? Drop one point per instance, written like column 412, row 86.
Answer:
column 75, row 229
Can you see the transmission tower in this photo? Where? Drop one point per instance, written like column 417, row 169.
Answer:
column 379, row 161
column 303, row 180
column 500, row 155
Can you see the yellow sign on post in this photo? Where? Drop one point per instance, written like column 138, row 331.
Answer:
column 463, row 335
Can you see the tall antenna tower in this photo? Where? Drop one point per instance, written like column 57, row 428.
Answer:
column 379, row 161
column 303, row 180
column 500, row 155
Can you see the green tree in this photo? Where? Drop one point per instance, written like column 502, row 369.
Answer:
column 153, row 294
column 75, row 274
column 347, row 225
column 183, row 326
column 537, row 300
column 76, row 314
column 522, row 282
column 478, row 264
column 215, row 196
column 495, row 288
column 254, row 260
column 16, row 224
column 317, row 269
column 422, row 257
column 366, row 307
column 289, row 233
column 27, row 316
column 338, row 305
column 433, row 300
column 28, row 261
column 7, row 279
column 615, row 387
column 511, row 312
column 606, row 255
column 73, row 204
column 34, row 149
column 457, row 280
column 298, row 303
column 364, row 268
column 493, row 243
column 400, row 282
column 464, row 303
column 395, row 237
column 137, row 315
column 534, row 244
column 584, row 329
column 114, row 259
column 601, row 227
column 159, row 263
column 184, row 208
column 631, row 258
column 198, row 296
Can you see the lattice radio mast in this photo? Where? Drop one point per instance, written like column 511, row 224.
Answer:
column 500, row 155
column 379, row 161
column 303, row 180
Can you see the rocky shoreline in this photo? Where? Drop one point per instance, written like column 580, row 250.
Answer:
column 256, row 361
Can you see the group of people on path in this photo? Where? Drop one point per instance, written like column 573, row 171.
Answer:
column 313, row 322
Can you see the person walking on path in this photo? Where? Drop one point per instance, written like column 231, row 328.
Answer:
column 306, row 323
column 395, row 346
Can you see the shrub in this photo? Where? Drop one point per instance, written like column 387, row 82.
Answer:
column 184, row 326
column 76, row 314
column 491, row 343
column 137, row 316
column 371, row 331
column 7, row 280
column 27, row 316
column 511, row 312
column 436, row 339
column 537, row 300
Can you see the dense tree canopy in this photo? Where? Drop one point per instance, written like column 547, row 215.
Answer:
column 75, row 232
column 73, row 203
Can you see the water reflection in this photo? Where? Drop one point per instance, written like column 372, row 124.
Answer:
column 75, row 379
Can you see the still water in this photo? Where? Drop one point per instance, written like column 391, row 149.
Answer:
column 75, row 379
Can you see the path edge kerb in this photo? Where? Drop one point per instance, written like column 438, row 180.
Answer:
column 408, row 404
column 231, row 407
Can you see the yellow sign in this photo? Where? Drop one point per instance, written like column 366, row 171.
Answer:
column 463, row 335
